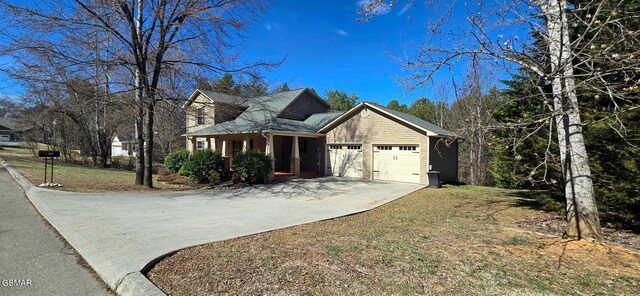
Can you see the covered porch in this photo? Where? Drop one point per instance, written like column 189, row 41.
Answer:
column 294, row 154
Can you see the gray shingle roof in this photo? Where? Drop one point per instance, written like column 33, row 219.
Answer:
column 126, row 138
column 262, row 114
column 9, row 123
column 225, row 98
column 417, row 121
column 14, row 124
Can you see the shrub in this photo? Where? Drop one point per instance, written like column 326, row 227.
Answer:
column 253, row 166
column 182, row 171
column 202, row 164
column 123, row 162
column 214, row 178
column 174, row 160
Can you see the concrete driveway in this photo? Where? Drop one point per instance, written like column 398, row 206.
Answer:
column 120, row 234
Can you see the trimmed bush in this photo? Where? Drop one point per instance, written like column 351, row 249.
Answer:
column 202, row 164
column 253, row 166
column 174, row 160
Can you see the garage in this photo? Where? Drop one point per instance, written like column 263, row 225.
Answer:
column 345, row 160
column 395, row 146
column 397, row 163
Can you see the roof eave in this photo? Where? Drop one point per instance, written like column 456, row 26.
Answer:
column 271, row 131
column 352, row 110
column 192, row 97
column 344, row 115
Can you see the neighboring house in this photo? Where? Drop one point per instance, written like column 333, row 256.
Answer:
column 123, row 145
column 296, row 128
column 9, row 130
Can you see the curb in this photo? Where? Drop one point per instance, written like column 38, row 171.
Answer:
column 134, row 283
column 137, row 284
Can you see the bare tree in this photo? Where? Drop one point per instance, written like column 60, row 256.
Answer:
column 146, row 39
column 471, row 117
column 503, row 33
column 9, row 107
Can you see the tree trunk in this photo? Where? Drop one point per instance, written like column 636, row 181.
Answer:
column 139, row 131
column 582, row 213
column 148, row 178
column 140, row 105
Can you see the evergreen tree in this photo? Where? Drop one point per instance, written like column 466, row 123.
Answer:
column 282, row 88
column 424, row 109
column 395, row 105
column 340, row 100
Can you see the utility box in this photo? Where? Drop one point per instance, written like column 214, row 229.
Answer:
column 434, row 179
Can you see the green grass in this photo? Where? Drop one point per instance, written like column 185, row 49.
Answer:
column 454, row 240
column 73, row 177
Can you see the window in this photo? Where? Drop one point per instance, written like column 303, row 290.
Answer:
column 354, row 147
column 200, row 145
column 383, row 147
column 335, row 147
column 200, row 115
column 408, row 148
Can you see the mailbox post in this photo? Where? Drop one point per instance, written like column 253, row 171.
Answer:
column 48, row 154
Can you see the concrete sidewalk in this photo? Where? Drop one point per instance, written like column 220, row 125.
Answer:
column 120, row 234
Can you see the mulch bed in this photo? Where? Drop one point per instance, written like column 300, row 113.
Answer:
column 554, row 224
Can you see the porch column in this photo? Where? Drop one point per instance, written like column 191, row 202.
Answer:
column 295, row 157
column 209, row 143
column 224, row 148
column 223, row 151
column 245, row 144
column 269, row 150
column 194, row 144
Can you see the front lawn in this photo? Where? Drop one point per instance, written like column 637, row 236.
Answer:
column 73, row 177
column 457, row 240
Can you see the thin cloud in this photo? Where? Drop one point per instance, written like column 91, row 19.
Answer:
column 342, row 32
column 404, row 9
column 269, row 27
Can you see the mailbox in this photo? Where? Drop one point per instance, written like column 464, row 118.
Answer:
column 48, row 153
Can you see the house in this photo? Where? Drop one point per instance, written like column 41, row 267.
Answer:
column 297, row 128
column 9, row 130
column 123, row 145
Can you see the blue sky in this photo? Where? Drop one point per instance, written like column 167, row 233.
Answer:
column 326, row 48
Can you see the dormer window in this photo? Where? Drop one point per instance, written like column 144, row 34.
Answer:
column 200, row 115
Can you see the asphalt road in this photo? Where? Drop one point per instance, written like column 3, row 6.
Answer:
column 33, row 259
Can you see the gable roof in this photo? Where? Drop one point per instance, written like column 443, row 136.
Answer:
column 401, row 116
column 14, row 124
column 262, row 115
column 126, row 138
column 216, row 97
column 9, row 123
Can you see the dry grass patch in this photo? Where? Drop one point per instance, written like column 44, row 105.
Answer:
column 457, row 240
column 77, row 178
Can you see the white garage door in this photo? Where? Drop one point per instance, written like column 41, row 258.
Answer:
column 345, row 160
column 396, row 163
column 4, row 138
